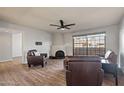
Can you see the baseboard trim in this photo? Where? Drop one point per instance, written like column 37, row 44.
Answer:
column 6, row 60
column 17, row 57
column 24, row 63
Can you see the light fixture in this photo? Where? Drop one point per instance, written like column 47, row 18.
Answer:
column 62, row 29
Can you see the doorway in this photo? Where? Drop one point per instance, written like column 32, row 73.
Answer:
column 17, row 46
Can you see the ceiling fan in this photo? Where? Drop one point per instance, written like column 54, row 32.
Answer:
column 62, row 26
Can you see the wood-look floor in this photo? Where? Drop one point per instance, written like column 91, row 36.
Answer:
column 15, row 73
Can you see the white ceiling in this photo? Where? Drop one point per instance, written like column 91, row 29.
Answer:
column 40, row 18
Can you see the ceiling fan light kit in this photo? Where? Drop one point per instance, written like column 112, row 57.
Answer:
column 62, row 29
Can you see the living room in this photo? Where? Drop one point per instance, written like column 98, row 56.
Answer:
column 48, row 30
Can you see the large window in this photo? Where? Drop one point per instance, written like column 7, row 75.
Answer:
column 90, row 44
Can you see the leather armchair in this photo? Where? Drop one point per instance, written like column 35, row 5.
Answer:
column 83, row 72
column 34, row 60
column 109, row 64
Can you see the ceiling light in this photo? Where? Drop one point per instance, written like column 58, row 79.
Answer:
column 62, row 29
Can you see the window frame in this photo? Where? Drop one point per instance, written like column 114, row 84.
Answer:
column 87, row 39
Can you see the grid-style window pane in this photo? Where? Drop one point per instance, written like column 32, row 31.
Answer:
column 92, row 44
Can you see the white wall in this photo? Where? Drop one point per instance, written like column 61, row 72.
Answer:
column 58, row 43
column 112, row 38
column 60, row 40
column 30, row 36
column 121, row 43
column 17, row 45
column 5, row 46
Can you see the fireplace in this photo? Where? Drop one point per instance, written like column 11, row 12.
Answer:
column 59, row 54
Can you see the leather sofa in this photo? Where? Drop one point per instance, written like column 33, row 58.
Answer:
column 80, row 58
column 83, row 71
column 34, row 59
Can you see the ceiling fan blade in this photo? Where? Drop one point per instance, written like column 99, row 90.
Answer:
column 70, row 25
column 62, row 23
column 54, row 25
column 67, row 28
column 59, row 28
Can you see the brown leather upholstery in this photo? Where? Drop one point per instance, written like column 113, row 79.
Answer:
column 34, row 60
column 83, row 72
column 81, row 58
